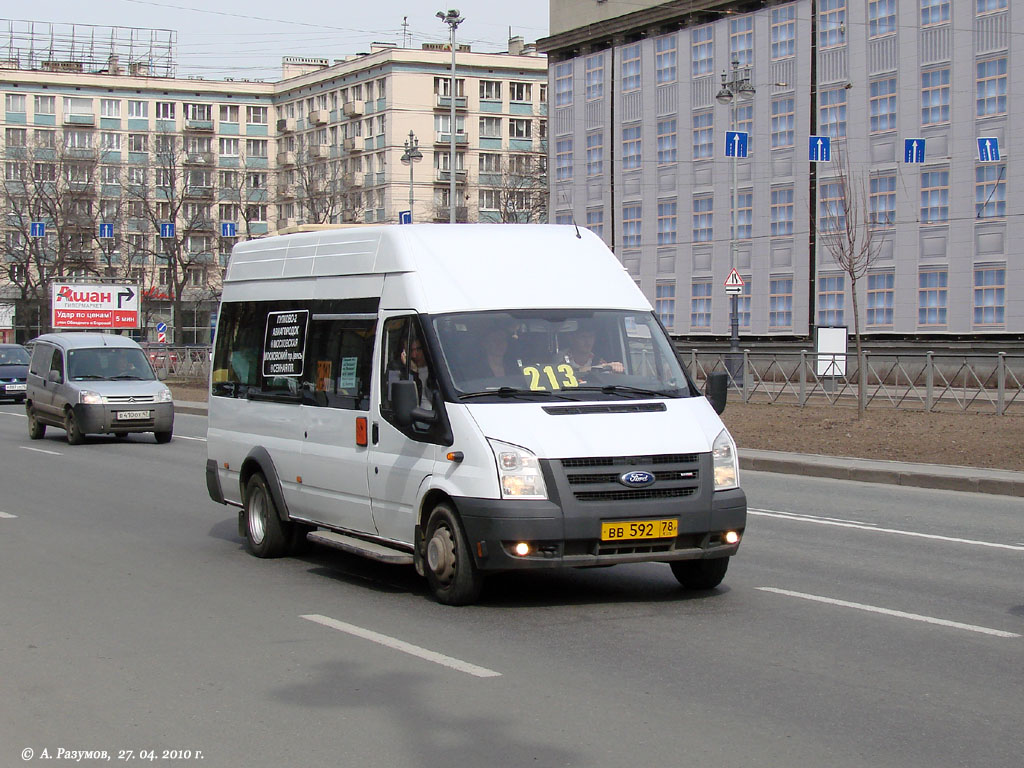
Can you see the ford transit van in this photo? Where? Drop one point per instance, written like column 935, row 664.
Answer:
column 465, row 399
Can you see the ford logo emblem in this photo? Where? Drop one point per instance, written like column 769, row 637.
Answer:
column 637, row 479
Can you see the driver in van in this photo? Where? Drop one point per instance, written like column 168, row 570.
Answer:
column 581, row 355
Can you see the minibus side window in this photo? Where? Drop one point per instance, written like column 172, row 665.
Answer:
column 239, row 342
column 405, row 357
column 339, row 355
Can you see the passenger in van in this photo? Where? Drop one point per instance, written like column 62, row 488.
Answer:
column 493, row 337
column 421, row 373
column 581, row 355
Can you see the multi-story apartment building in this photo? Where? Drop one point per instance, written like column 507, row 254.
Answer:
column 638, row 152
column 152, row 179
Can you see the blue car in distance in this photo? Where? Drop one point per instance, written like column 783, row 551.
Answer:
column 13, row 371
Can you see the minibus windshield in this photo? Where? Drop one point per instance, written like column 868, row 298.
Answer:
column 575, row 353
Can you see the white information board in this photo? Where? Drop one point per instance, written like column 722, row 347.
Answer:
column 831, row 346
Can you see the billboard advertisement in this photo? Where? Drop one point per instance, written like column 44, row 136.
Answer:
column 94, row 305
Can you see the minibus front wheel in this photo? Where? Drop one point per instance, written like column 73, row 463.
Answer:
column 450, row 570
column 264, row 533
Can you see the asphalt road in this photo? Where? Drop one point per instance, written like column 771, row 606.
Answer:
column 860, row 625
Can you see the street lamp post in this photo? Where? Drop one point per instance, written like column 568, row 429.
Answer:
column 412, row 154
column 735, row 83
column 452, row 18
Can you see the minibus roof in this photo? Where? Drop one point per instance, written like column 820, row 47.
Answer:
column 437, row 268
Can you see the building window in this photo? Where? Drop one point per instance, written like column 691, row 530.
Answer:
column 703, row 218
column 780, row 302
column 563, row 84
column 990, row 191
column 991, row 87
column 665, row 59
column 832, row 113
column 743, row 303
column 165, row 110
column 831, row 296
column 988, row 6
column 256, row 147
column 490, row 127
column 45, row 105
column 832, row 207
column 667, row 222
column 229, row 113
column 521, row 92
column 16, row 137
column 666, row 141
column 782, row 212
column 934, row 12
column 702, row 51
column 14, row 102
column 229, row 147
column 199, row 112
column 744, row 115
column 744, row 215
column 882, row 105
column 595, row 154
column 783, row 120
column 631, row 225
column 138, row 109
column 518, row 128
column 831, row 23
column 989, row 295
column 932, row 297
column 45, row 139
column 563, row 159
column 78, row 139
column 631, row 68
column 110, row 107
column 137, row 142
column 882, row 201
column 630, row 147
column 880, row 298
column 490, row 90
column 935, row 97
column 783, row 32
column 256, row 115
column 741, row 40
column 881, row 17
column 934, row 197
column 595, row 221
column 110, row 141
column 703, row 135
column 594, row 76
column 665, row 302
column 700, row 304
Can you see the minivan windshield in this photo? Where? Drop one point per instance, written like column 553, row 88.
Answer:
column 575, row 354
column 13, row 356
column 109, row 364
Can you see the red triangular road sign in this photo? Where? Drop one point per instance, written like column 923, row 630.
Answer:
column 734, row 279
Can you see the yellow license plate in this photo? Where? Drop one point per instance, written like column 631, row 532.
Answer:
column 639, row 529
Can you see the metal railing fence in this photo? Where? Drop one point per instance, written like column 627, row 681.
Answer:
column 926, row 381
column 192, row 362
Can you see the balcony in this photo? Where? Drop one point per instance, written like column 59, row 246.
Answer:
column 348, row 217
column 285, row 191
column 286, row 125
column 199, row 158
column 441, row 215
column 285, row 223
column 81, row 187
column 446, row 138
column 357, row 179
column 354, row 109
column 319, row 151
column 72, row 119
column 445, row 102
column 443, row 174
column 317, row 117
column 201, row 225
column 350, row 145
column 199, row 125
column 285, row 158
column 199, row 192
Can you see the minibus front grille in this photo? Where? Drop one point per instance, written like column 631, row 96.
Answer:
column 596, row 479
column 576, row 410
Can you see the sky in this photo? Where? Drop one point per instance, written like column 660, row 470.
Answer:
column 248, row 38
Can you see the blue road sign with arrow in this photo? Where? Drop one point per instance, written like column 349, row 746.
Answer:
column 106, row 231
column 405, row 217
column 736, row 143
column 913, row 150
column 819, row 149
column 37, row 229
column 227, row 229
column 988, row 149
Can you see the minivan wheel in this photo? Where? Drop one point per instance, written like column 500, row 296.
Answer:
column 450, row 570
column 700, row 574
column 75, row 436
column 264, row 532
column 36, row 429
column 163, row 437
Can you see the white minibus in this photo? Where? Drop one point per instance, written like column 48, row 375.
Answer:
column 466, row 399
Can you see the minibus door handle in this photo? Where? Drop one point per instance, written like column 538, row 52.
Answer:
column 375, row 433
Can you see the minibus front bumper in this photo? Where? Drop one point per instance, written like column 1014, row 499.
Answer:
column 571, row 538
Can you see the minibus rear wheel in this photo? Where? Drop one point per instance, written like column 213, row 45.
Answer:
column 451, row 572
column 700, row 574
column 264, row 533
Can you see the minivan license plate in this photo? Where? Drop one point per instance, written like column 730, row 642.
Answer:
column 639, row 529
column 128, row 415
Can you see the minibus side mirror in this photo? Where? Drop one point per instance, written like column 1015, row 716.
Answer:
column 405, row 398
column 716, row 389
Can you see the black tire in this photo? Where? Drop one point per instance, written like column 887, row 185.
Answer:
column 450, row 570
column 265, row 534
column 75, row 436
column 163, row 437
column 19, row 400
column 700, row 574
column 36, row 429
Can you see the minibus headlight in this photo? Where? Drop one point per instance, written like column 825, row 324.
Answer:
column 725, row 461
column 519, row 473
column 90, row 398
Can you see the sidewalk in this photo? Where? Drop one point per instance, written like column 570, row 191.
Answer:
column 972, row 479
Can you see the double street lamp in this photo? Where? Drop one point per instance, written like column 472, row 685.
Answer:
column 452, row 18
column 412, row 154
column 735, row 84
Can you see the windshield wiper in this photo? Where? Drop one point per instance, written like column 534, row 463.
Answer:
column 512, row 392
column 89, row 377
column 131, row 376
column 622, row 389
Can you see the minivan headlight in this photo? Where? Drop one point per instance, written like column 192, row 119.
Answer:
column 164, row 396
column 519, row 473
column 90, row 398
column 725, row 462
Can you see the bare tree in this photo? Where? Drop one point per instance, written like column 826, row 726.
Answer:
column 522, row 191
column 852, row 234
column 314, row 186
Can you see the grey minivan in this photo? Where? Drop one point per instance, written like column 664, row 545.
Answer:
column 95, row 383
